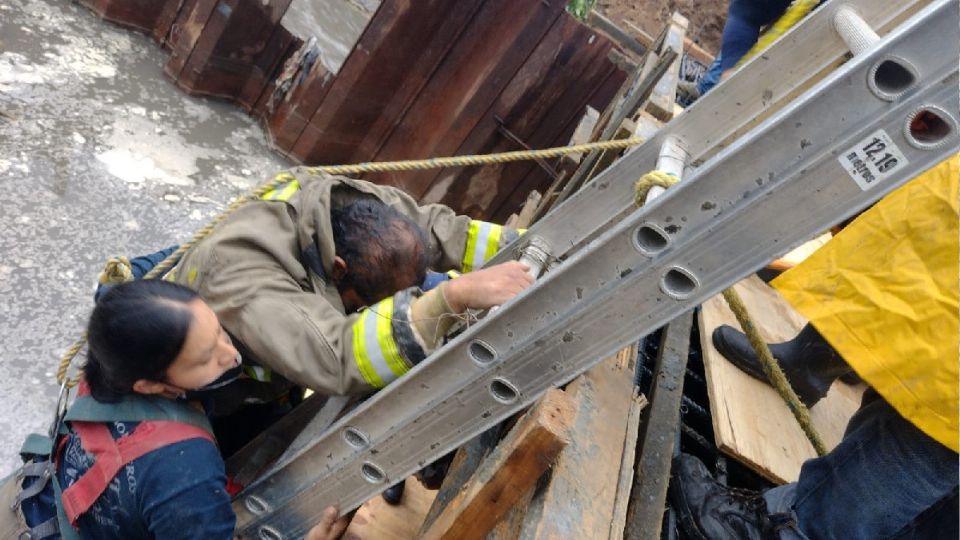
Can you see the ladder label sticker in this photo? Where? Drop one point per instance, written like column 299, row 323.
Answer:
column 873, row 159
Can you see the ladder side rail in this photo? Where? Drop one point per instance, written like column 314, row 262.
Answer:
column 551, row 336
column 760, row 87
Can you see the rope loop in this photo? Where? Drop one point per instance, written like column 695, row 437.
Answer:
column 648, row 181
column 116, row 271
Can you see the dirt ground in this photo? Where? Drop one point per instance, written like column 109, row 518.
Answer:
column 706, row 17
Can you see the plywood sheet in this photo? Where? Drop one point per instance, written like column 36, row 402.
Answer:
column 377, row 520
column 750, row 420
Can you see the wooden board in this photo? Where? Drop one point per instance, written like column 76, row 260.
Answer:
column 750, row 420
column 665, row 93
column 377, row 520
column 509, row 471
column 585, row 491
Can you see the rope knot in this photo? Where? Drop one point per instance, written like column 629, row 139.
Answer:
column 116, row 271
column 648, row 181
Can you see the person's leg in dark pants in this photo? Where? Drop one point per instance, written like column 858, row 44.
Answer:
column 886, row 479
column 879, row 482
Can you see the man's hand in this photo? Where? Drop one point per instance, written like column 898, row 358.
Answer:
column 488, row 287
column 329, row 527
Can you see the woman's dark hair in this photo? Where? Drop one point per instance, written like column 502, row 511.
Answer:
column 373, row 239
column 135, row 332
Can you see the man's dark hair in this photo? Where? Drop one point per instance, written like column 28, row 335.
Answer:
column 135, row 332
column 374, row 239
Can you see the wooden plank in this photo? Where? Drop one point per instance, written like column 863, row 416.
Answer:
column 606, row 157
column 172, row 11
column 621, row 60
column 690, row 47
column 627, row 471
column 646, row 126
column 638, row 94
column 581, row 135
column 511, row 525
column 248, row 462
column 581, row 497
column 623, row 39
column 497, row 42
column 751, row 422
column 665, row 92
column 185, row 33
column 377, row 520
column 255, row 95
column 525, row 217
column 466, row 461
column 511, row 469
column 393, row 60
column 659, row 432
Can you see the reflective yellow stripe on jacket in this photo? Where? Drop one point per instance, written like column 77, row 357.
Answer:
column 283, row 192
column 483, row 240
column 258, row 373
column 374, row 347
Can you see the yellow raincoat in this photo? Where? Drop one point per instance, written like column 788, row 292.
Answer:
column 883, row 292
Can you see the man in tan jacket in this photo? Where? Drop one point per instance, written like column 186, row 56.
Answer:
column 290, row 292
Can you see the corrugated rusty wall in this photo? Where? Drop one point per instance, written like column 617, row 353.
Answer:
column 426, row 78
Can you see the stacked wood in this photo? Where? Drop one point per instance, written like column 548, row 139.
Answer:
column 507, row 489
column 509, row 471
column 644, row 100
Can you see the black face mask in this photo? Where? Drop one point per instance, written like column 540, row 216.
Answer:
column 205, row 391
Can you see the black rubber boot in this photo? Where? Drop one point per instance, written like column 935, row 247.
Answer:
column 809, row 362
column 433, row 474
column 394, row 494
column 708, row 510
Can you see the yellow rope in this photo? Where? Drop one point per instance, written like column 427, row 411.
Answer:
column 794, row 14
column 117, row 270
column 773, row 371
column 469, row 161
column 774, row 374
column 650, row 180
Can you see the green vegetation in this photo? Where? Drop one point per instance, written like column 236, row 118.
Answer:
column 581, row 8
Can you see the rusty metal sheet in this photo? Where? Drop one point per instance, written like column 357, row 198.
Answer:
column 600, row 94
column 546, row 91
column 491, row 50
column 393, row 60
column 142, row 15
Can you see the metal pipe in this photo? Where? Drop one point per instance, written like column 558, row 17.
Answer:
column 672, row 160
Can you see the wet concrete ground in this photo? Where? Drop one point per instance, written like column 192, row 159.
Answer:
column 99, row 155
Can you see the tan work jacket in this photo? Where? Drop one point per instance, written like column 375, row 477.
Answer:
column 265, row 270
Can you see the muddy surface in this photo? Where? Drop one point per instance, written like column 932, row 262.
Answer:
column 99, row 155
column 706, row 17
